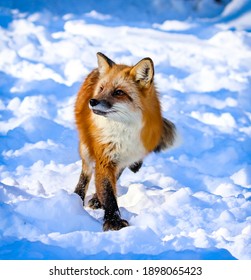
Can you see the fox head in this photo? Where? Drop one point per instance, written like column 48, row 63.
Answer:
column 121, row 90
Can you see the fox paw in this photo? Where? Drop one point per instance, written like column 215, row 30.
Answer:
column 94, row 202
column 115, row 224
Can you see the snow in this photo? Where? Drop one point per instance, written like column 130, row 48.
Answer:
column 174, row 25
column 237, row 15
column 191, row 202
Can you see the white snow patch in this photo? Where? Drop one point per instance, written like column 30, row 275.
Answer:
column 243, row 177
column 225, row 122
column 174, row 25
column 41, row 145
column 96, row 15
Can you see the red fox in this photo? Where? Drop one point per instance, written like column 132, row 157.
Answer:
column 118, row 117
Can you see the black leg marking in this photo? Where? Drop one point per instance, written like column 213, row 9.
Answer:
column 81, row 187
column 94, row 202
column 112, row 220
column 135, row 167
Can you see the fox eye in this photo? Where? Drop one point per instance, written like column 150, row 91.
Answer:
column 118, row 92
column 101, row 88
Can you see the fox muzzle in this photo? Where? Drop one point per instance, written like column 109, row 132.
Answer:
column 100, row 107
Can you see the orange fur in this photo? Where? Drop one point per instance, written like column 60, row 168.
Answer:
column 152, row 119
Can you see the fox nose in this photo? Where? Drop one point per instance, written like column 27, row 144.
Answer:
column 93, row 102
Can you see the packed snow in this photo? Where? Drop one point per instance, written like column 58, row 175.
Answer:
column 191, row 202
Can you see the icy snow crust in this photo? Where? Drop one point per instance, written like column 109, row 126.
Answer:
column 192, row 202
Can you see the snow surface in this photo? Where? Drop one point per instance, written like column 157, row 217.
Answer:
column 191, row 202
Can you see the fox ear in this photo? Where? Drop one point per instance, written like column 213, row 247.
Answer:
column 143, row 71
column 104, row 63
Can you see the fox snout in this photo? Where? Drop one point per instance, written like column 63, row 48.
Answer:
column 100, row 103
column 100, row 107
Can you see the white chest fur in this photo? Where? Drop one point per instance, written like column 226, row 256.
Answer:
column 124, row 138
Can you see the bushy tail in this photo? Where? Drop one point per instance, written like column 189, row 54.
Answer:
column 168, row 136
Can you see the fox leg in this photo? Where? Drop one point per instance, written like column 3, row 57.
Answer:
column 94, row 202
column 105, row 179
column 84, row 180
